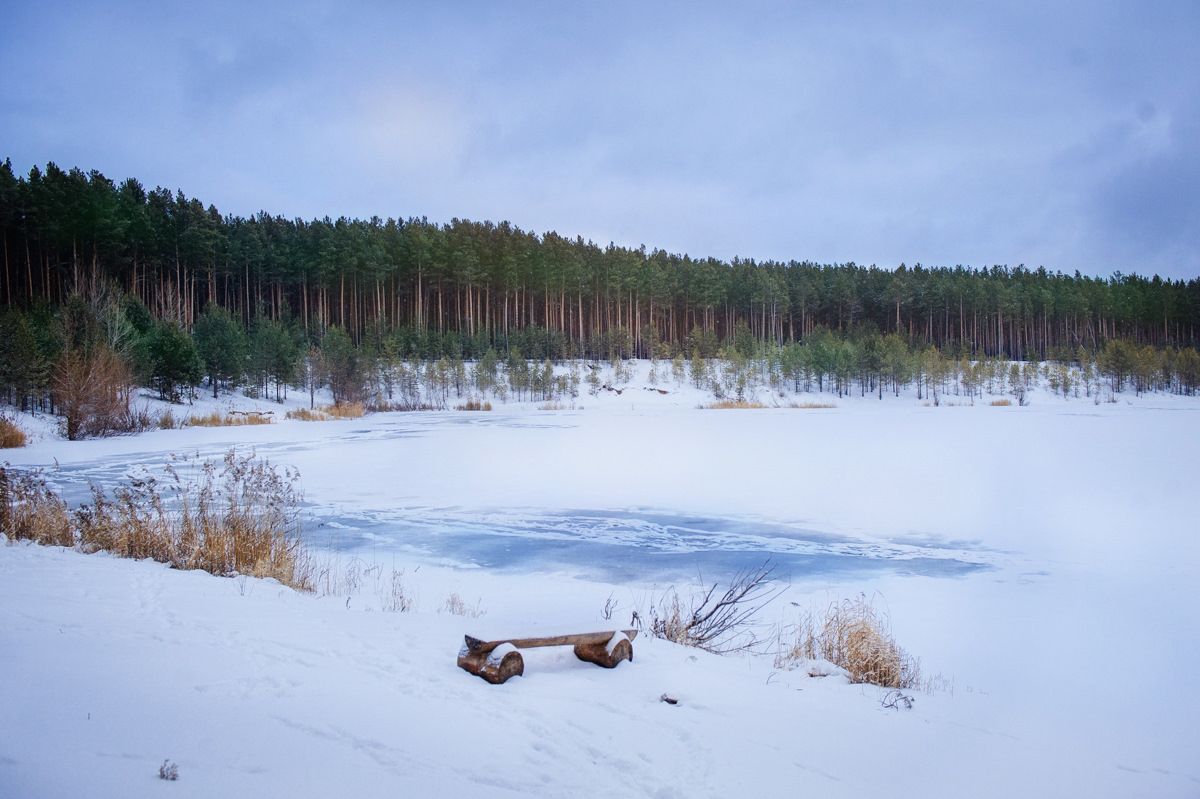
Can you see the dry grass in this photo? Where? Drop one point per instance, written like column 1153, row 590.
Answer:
column 724, row 405
column 166, row 420
column 552, row 406
column 30, row 510
column 1000, row 403
column 474, row 405
column 456, row 606
column 230, row 419
column 857, row 638
column 347, row 410
column 810, row 405
column 11, row 436
column 239, row 517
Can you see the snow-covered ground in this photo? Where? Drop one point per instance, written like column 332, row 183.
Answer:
column 1042, row 559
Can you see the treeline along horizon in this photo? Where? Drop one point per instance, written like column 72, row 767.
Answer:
column 65, row 232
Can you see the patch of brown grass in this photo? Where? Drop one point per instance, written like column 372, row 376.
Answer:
column 857, row 638
column 724, row 405
column 1000, row 403
column 239, row 517
column 30, row 510
column 474, row 405
column 347, row 410
column 306, row 415
column 230, row 419
column 11, row 436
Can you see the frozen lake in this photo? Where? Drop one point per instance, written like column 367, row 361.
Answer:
column 634, row 544
column 1040, row 559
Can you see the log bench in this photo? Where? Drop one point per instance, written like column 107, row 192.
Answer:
column 497, row 661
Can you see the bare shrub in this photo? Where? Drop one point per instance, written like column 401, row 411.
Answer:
column 11, row 436
column 168, row 771
column 93, row 390
column 610, row 607
column 241, row 517
column 456, row 606
column 811, row 405
column 394, row 598
column 31, row 510
column 896, row 700
column 721, row 623
column 853, row 636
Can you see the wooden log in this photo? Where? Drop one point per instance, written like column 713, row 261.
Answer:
column 607, row 654
column 497, row 665
column 476, row 645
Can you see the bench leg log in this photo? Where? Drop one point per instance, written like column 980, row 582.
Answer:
column 607, row 654
column 496, row 666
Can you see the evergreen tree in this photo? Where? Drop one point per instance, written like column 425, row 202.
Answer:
column 175, row 364
column 342, row 365
column 221, row 345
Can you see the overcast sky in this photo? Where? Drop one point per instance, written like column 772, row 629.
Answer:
column 1060, row 135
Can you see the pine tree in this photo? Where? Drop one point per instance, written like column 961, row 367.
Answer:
column 221, row 345
column 175, row 364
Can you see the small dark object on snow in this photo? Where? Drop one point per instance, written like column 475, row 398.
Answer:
column 168, row 771
column 498, row 661
column 896, row 700
column 670, row 700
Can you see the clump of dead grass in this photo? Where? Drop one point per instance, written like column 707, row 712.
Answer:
column 30, row 510
column 811, row 405
column 474, row 405
column 241, row 516
column 347, row 410
column 855, row 637
column 1000, row 403
column 457, row 606
column 237, row 517
column 230, row 419
column 11, row 435
column 733, row 404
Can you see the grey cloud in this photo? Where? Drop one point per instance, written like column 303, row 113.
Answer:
column 1044, row 134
